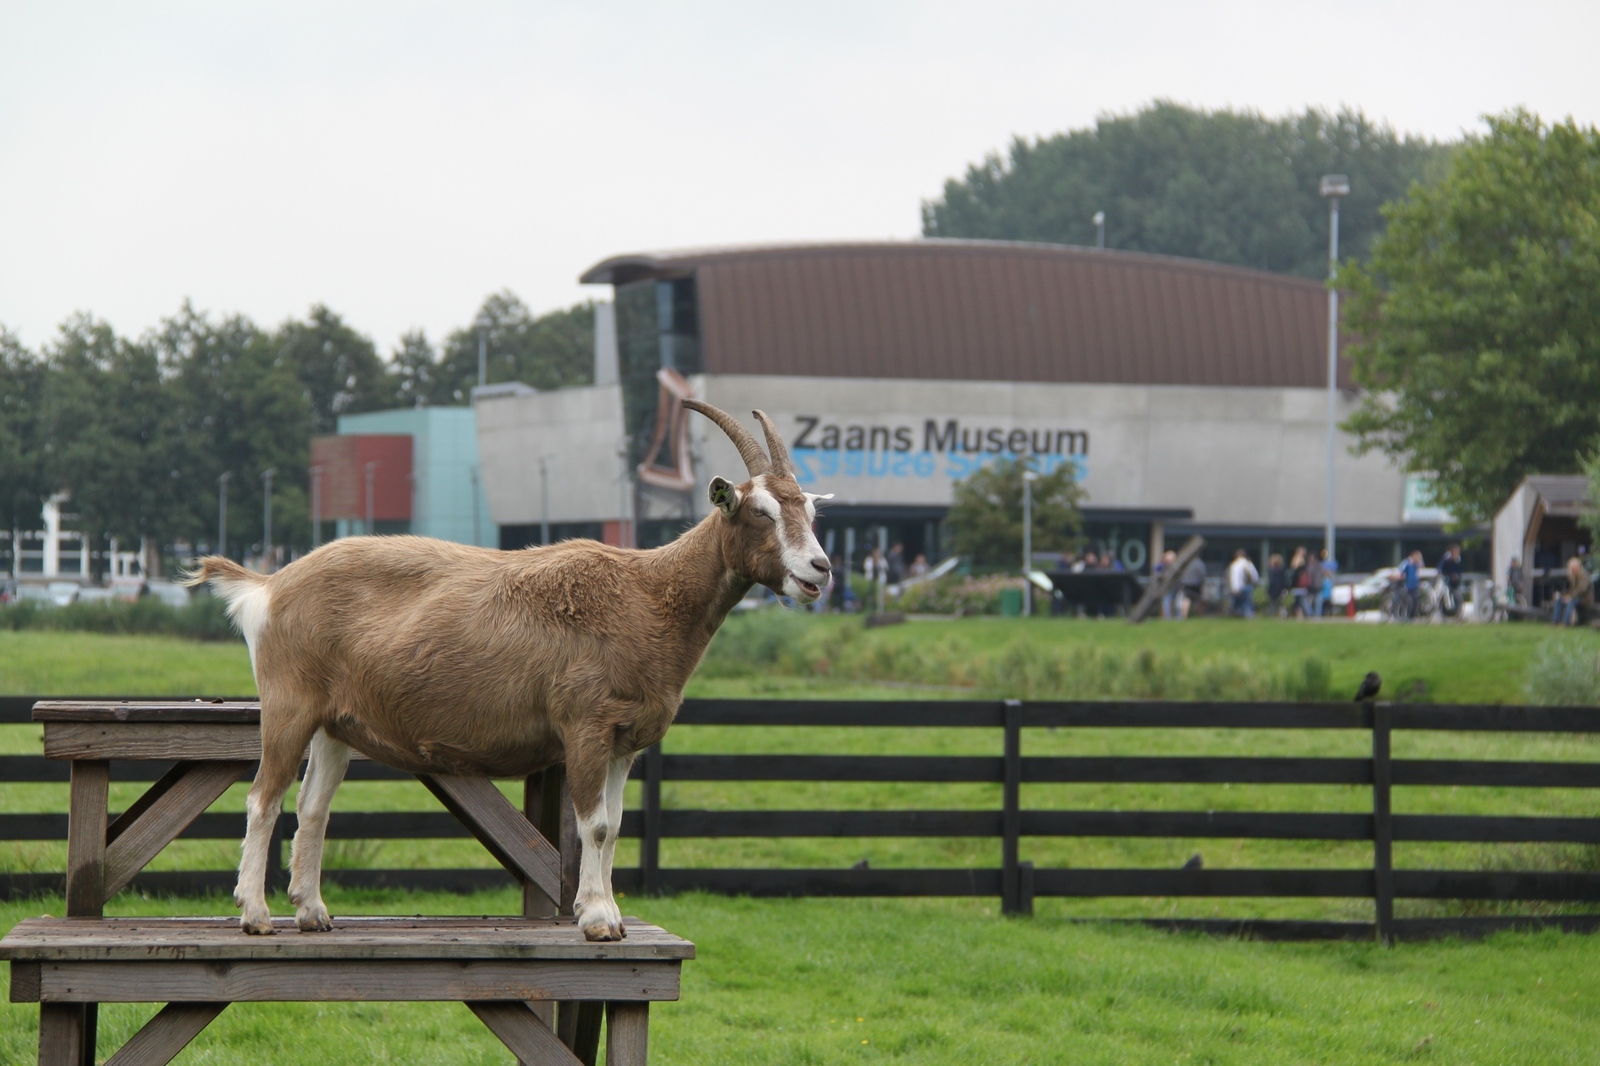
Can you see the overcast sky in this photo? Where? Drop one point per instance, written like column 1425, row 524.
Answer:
column 399, row 161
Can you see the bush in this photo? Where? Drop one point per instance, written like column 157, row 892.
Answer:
column 957, row 595
column 1565, row 671
column 761, row 640
column 203, row 618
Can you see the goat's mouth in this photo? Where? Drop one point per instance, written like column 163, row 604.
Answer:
column 807, row 588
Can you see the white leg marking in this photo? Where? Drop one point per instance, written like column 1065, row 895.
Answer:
column 595, row 907
column 251, row 893
column 324, row 772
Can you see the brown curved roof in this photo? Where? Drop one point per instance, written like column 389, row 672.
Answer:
column 995, row 311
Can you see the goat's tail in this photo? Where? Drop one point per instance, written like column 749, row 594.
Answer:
column 230, row 579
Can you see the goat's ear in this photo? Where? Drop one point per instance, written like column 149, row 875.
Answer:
column 724, row 496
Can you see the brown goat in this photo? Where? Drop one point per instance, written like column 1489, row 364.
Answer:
column 442, row 658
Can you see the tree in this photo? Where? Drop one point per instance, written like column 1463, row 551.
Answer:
column 338, row 367
column 547, row 352
column 23, row 485
column 1478, row 323
column 985, row 519
column 1232, row 187
column 413, row 371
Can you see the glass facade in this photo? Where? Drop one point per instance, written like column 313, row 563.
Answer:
column 658, row 327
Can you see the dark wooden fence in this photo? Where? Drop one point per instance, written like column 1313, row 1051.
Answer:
column 1017, row 882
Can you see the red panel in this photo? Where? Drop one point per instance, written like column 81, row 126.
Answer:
column 343, row 460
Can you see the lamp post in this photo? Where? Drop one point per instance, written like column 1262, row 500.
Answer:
column 222, row 511
column 316, row 504
column 544, row 499
column 371, row 471
column 266, row 518
column 483, row 350
column 1100, row 231
column 1333, row 187
column 1028, row 478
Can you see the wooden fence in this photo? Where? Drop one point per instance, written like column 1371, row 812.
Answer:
column 1017, row 882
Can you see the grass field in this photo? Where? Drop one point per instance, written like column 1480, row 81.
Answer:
column 785, row 981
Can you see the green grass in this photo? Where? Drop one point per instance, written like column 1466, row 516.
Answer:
column 949, row 981
column 811, row 981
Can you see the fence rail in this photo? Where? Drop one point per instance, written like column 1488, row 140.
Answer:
column 1016, row 882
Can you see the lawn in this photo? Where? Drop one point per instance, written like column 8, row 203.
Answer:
column 787, row 980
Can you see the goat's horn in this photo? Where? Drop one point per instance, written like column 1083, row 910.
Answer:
column 742, row 438
column 775, row 446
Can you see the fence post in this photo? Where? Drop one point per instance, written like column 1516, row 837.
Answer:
column 1382, row 825
column 650, row 815
column 1011, row 901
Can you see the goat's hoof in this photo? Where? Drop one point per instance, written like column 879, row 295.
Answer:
column 602, row 925
column 257, row 926
column 313, row 919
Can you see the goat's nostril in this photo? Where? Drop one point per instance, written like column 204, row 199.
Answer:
column 822, row 564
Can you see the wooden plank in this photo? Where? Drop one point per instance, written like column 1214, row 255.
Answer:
column 1174, row 714
column 1254, row 825
column 168, row 1033
column 158, row 789
column 24, row 982
column 524, row 1032
column 579, row 1028
column 1487, row 828
column 1184, row 769
column 200, row 784
column 832, row 768
column 651, row 817
column 627, row 1034
column 351, row 940
column 1382, row 826
column 256, row 981
column 1011, row 813
column 1355, row 884
column 1497, row 718
column 501, row 828
column 1502, row 774
column 1166, row 581
column 61, row 1034
column 1502, row 884
column 234, row 711
column 894, row 714
column 86, row 840
column 151, row 740
column 811, row 882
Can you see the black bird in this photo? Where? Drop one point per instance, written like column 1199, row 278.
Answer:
column 1195, row 862
column 1369, row 687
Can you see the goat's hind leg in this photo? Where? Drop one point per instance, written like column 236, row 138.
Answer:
column 283, row 740
column 589, row 770
column 324, row 772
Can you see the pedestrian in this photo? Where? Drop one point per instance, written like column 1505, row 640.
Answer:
column 896, row 564
column 1314, row 586
column 1330, row 569
column 1451, row 569
column 1575, row 606
column 1242, row 579
column 1169, row 600
column 1514, row 593
column 1411, row 575
column 1297, row 582
column 1194, row 586
column 1277, row 583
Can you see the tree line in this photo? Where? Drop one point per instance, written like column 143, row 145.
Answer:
column 140, row 430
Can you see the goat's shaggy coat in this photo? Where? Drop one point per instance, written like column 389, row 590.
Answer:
column 443, row 658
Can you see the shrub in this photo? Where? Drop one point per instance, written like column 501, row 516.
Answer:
column 749, row 642
column 957, row 595
column 1565, row 670
column 203, row 618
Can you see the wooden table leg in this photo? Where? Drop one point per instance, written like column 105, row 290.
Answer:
column 627, row 1032
column 86, row 879
column 60, row 1034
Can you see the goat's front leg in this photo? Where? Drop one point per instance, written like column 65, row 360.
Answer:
column 594, row 906
column 324, row 772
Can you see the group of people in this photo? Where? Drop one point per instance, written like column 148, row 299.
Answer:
column 1301, row 589
column 890, row 568
column 1180, row 601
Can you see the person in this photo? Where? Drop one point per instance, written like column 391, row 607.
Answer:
column 1242, row 579
column 1297, row 582
column 1194, row 584
column 1313, row 586
column 874, row 566
column 896, row 564
column 839, row 594
column 1514, row 595
column 1411, row 575
column 1169, row 601
column 1330, row 569
column 1576, row 605
column 1090, row 561
column 1277, row 583
column 919, row 566
column 1451, row 569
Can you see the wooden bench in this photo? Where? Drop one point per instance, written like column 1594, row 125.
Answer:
column 538, row 985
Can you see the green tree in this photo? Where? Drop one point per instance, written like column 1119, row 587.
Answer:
column 1477, row 316
column 547, row 352
column 239, row 407
column 985, row 519
column 413, row 371
column 23, row 485
column 338, row 367
column 1228, row 186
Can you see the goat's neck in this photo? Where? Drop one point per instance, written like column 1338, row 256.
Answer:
column 699, row 587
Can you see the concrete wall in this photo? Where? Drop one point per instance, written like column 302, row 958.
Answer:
column 579, row 430
column 1236, row 456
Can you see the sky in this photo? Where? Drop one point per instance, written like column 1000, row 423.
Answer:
column 400, row 161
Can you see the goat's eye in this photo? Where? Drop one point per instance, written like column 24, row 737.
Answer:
column 768, row 517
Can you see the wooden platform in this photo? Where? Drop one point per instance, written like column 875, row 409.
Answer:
column 533, row 980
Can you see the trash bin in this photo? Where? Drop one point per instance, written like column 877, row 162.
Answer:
column 1011, row 603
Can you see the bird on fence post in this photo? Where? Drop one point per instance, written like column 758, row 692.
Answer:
column 1369, row 687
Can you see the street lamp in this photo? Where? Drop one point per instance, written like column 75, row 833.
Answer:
column 544, row 499
column 1100, row 231
column 1028, row 478
column 266, row 518
column 222, row 512
column 371, row 470
column 1333, row 187
column 316, row 504
column 483, row 350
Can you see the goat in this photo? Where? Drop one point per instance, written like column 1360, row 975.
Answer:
column 436, row 657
